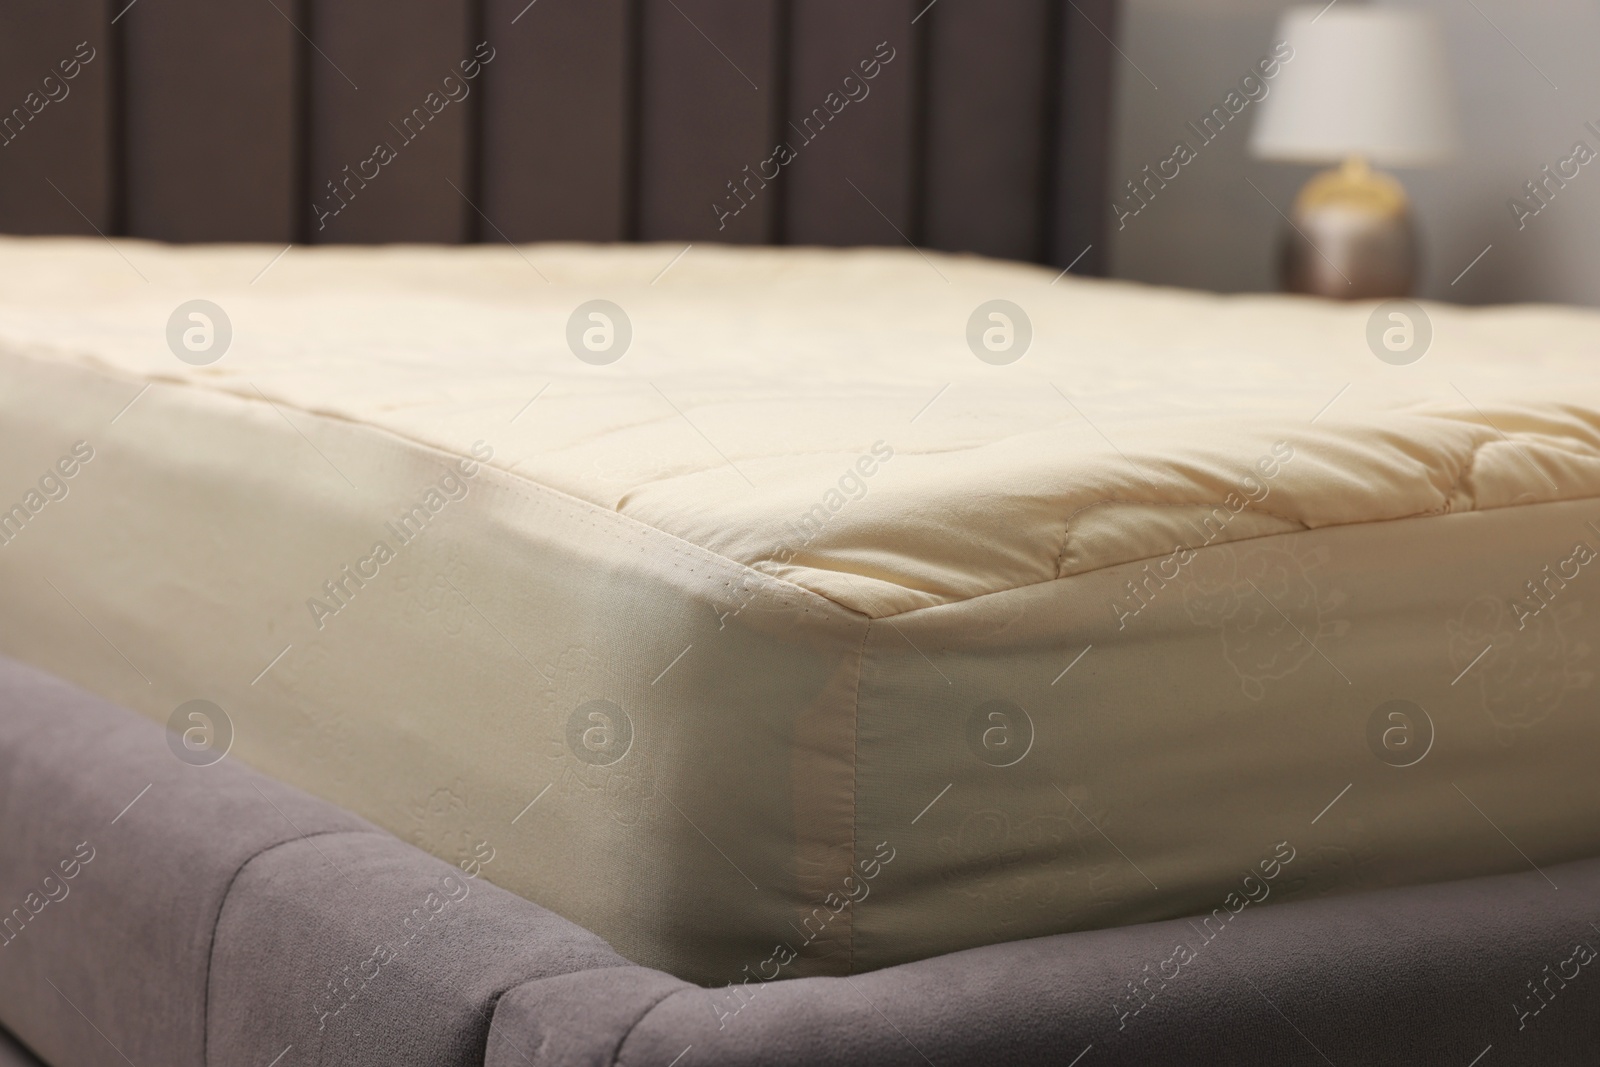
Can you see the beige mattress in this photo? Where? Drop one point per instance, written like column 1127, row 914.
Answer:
column 800, row 638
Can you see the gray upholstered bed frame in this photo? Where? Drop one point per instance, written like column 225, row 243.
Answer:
column 985, row 130
column 166, row 915
column 214, row 916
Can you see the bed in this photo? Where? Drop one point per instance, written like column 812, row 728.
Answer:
column 750, row 569
column 799, row 619
column 181, row 913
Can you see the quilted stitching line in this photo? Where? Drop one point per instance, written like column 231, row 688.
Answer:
column 1469, row 467
column 1442, row 509
column 1066, row 529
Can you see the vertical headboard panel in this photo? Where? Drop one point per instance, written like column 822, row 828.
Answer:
column 55, row 117
column 873, row 143
column 557, row 141
column 377, row 79
column 1079, row 177
column 711, row 89
column 984, row 126
column 989, row 88
column 211, row 143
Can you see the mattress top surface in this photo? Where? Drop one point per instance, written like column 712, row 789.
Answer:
column 825, row 417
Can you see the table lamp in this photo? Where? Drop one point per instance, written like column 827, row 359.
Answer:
column 1366, row 85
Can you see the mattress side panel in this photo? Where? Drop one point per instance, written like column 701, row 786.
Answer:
column 1349, row 708
column 649, row 740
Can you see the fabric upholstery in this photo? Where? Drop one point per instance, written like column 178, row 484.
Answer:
column 361, row 949
column 205, row 142
column 578, row 1020
column 865, row 626
column 599, row 120
column 400, row 52
column 1435, row 974
column 199, row 892
column 337, row 943
column 13, row 1054
column 114, row 956
column 48, row 140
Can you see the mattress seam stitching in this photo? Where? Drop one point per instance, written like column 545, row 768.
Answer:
column 1443, row 511
column 855, row 787
column 94, row 365
column 98, row 368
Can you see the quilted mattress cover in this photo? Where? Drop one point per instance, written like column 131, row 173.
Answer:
column 771, row 618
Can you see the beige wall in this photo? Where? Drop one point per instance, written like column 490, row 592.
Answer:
column 1209, row 229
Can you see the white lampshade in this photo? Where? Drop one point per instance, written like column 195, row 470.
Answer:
column 1364, row 81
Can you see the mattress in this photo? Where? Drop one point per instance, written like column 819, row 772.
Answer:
column 799, row 612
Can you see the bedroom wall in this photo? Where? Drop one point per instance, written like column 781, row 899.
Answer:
column 1210, row 229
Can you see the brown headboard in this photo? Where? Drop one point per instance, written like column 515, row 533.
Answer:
column 976, row 125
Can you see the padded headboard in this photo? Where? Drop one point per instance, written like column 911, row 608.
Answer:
column 977, row 125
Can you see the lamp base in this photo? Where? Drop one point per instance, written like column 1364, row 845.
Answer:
column 1352, row 237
